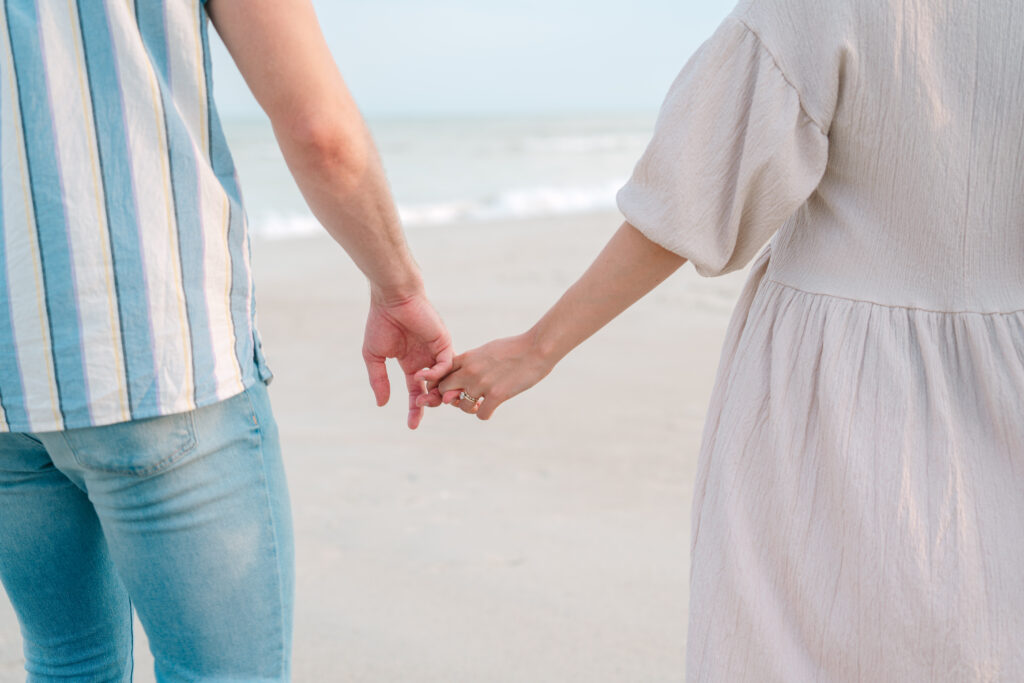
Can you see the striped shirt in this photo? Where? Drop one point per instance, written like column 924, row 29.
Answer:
column 126, row 287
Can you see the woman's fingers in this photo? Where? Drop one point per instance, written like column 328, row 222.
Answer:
column 455, row 387
column 469, row 406
column 458, row 389
column 483, row 407
column 465, row 400
column 488, row 407
column 452, row 384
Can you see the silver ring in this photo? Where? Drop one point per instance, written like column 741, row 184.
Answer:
column 463, row 396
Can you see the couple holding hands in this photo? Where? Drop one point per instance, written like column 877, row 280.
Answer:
column 858, row 511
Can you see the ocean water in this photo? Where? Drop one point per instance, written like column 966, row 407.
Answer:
column 460, row 169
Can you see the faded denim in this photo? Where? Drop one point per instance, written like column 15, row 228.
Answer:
column 184, row 517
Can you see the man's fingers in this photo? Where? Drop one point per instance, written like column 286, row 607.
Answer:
column 415, row 392
column 421, row 395
column 415, row 413
column 431, row 399
column 443, row 364
column 378, row 373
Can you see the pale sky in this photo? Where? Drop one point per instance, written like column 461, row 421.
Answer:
column 414, row 57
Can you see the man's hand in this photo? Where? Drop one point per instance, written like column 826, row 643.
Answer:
column 411, row 331
column 281, row 52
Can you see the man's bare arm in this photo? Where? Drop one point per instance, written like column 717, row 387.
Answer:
column 283, row 56
column 281, row 52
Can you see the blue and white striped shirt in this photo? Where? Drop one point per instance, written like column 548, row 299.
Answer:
column 126, row 286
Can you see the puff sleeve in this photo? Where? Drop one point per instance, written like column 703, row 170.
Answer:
column 734, row 154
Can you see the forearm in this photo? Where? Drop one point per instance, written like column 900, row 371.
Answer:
column 281, row 52
column 341, row 177
column 627, row 268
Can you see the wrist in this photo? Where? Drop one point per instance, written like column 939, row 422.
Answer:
column 397, row 290
column 544, row 346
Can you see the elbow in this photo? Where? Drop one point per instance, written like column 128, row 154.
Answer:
column 328, row 147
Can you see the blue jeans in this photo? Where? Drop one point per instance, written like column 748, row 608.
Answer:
column 184, row 517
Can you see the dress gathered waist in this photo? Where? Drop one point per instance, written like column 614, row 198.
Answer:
column 770, row 281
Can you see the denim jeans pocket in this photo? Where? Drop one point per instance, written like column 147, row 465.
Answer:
column 138, row 447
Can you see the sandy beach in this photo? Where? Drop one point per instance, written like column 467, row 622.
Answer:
column 549, row 544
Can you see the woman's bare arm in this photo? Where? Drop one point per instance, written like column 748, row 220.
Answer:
column 627, row 268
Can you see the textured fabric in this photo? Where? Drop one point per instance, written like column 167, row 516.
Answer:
column 125, row 282
column 859, row 506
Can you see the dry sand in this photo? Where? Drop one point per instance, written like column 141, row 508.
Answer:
column 549, row 544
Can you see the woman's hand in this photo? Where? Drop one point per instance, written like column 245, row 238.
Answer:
column 494, row 373
column 628, row 267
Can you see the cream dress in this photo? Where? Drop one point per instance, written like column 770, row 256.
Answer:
column 859, row 506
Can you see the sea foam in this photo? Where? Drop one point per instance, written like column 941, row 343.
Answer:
column 517, row 204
